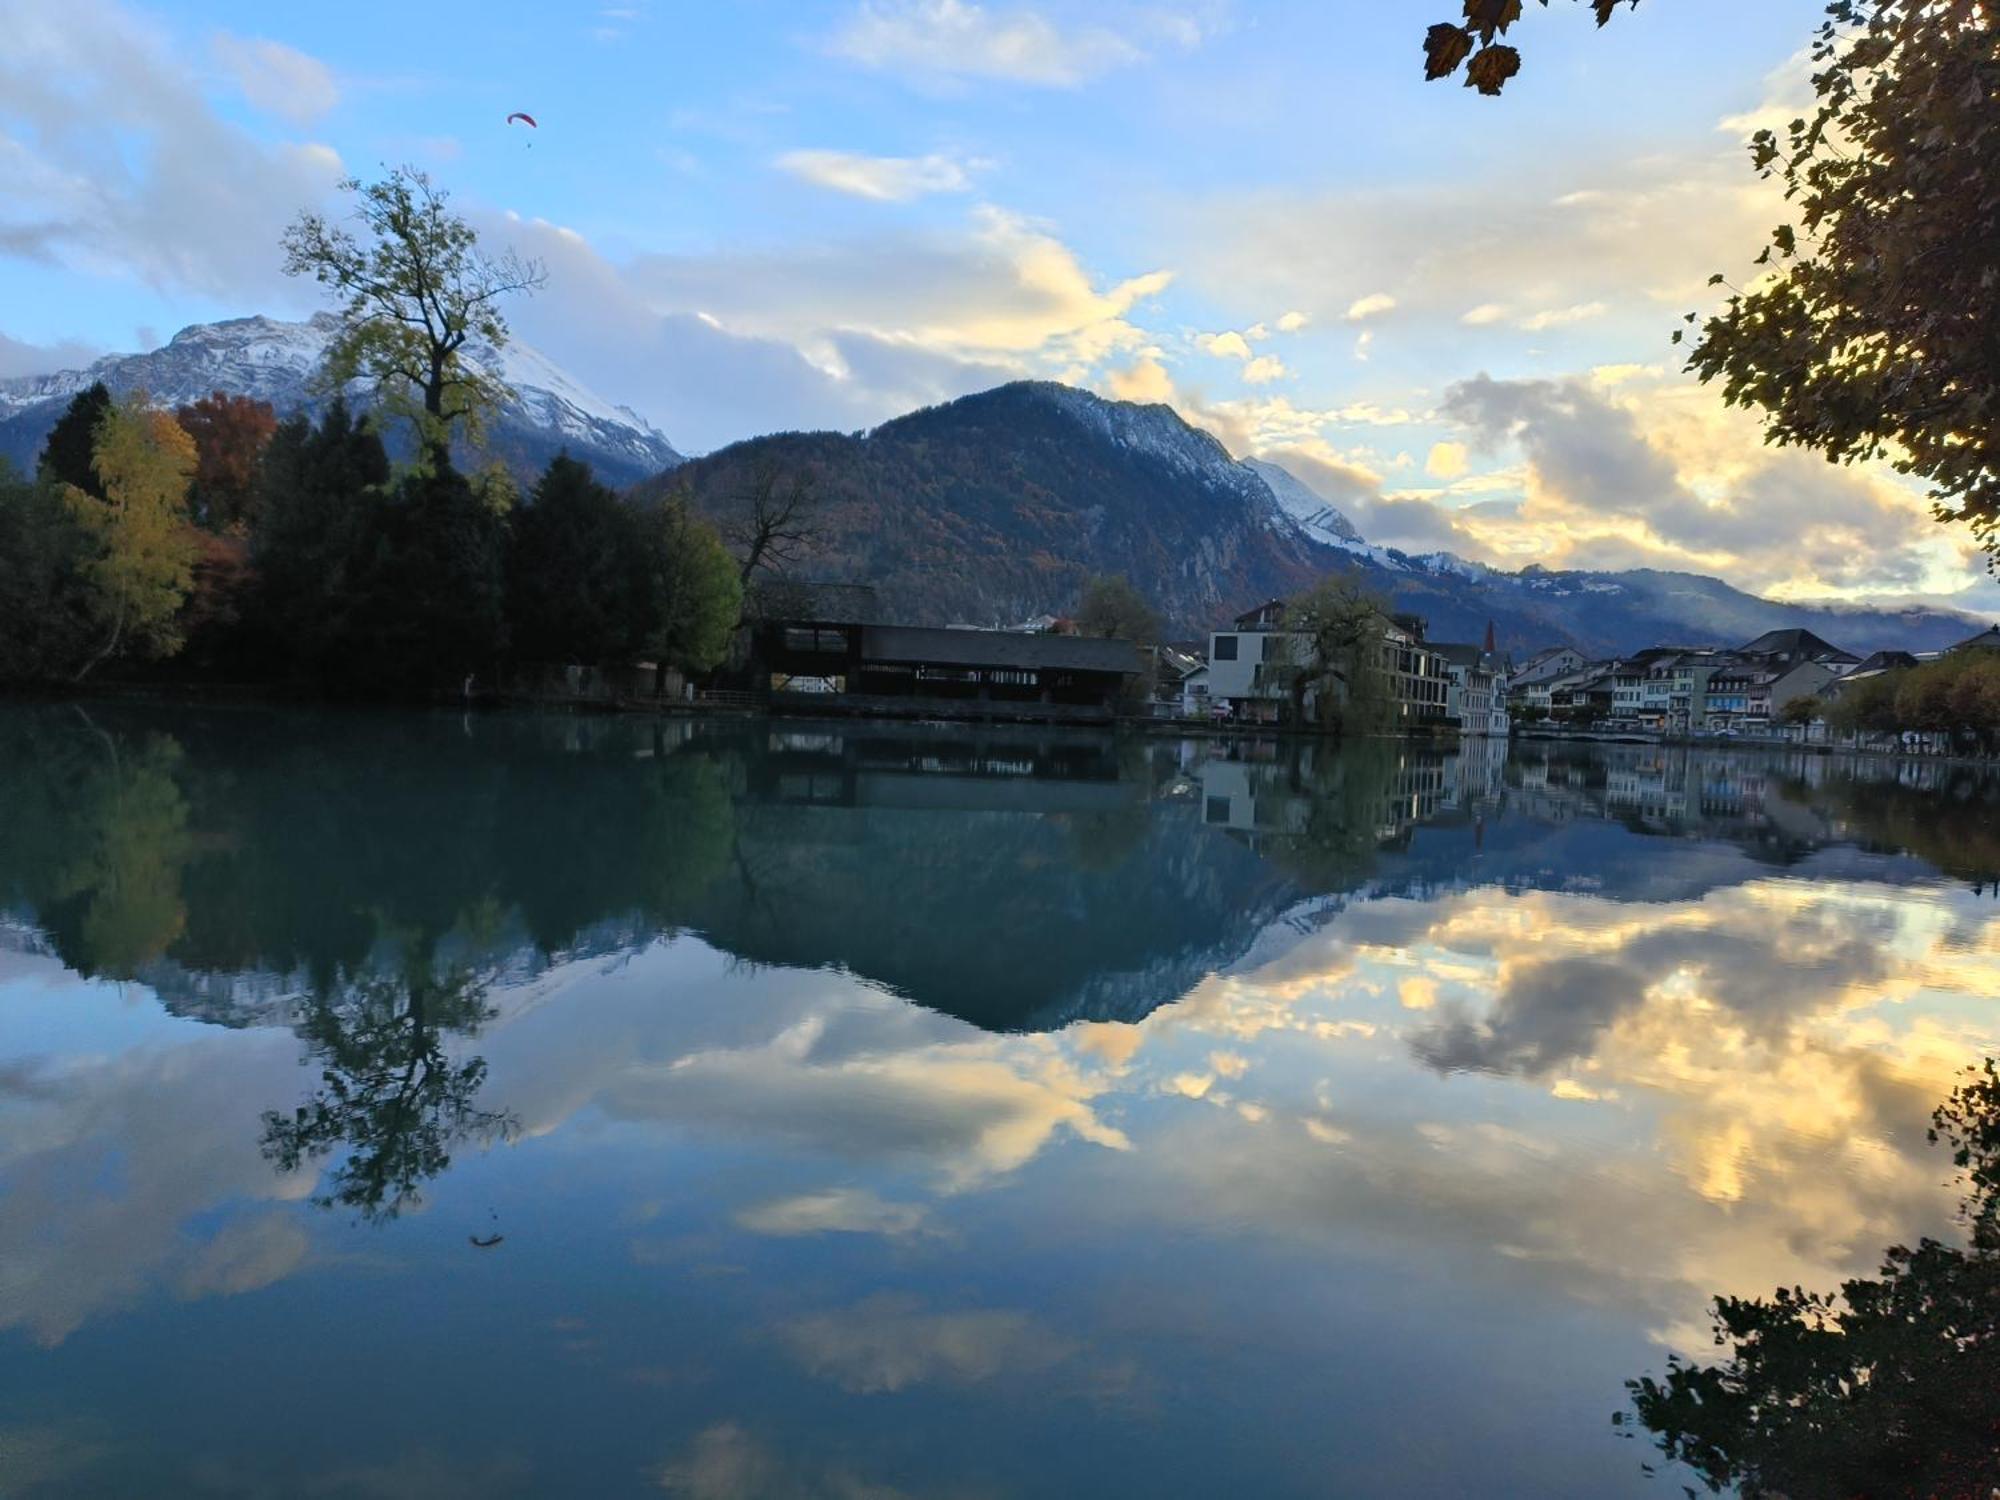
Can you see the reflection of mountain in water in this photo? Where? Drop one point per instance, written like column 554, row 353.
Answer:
column 242, row 862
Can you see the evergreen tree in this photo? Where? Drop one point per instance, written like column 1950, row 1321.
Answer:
column 317, row 487
column 70, row 454
column 577, row 574
column 45, row 618
column 430, row 599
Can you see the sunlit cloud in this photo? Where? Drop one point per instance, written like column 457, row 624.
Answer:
column 946, row 39
column 886, row 179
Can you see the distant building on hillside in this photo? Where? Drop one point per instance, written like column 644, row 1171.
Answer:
column 1986, row 640
column 1790, row 647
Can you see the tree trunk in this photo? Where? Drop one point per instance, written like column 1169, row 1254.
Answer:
column 117, row 632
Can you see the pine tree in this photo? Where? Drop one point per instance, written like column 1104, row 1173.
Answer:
column 577, row 571
column 69, row 456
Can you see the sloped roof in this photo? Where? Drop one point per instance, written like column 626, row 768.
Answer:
column 916, row 644
column 1799, row 643
column 815, row 603
column 1986, row 640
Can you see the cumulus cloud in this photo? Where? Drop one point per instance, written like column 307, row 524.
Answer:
column 721, row 345
column 1446, row 461
column 1264, row 369
column 112, row 161
column 956, row 39
column 886, row 179
column 277, row 79
column 1657, row 473
column 1227, row 345
column 1371, row 306
column 1292, row 322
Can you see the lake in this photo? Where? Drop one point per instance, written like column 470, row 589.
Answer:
column 397, row 1104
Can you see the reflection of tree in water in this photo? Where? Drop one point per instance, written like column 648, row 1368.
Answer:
column 389, row 1092
column 1951, row 822
column 1890, row 1388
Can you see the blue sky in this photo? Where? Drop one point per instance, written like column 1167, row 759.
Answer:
column 1448, row 313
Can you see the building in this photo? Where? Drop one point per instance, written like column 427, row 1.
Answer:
column 1477, row 697
column 1986, row 640
column 820, row 647
column 1787, row 648
column 1255, row 669
column 1545, row 665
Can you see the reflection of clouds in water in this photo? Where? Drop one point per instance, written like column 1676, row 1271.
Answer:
column 1752, row 1042
column 835, row 1211
column 724, row 1462
column 106, row 1159
column 890, row 1343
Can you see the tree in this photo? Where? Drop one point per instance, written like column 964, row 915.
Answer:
column 1876, row 331
column 1801, row 711
column 142, row 560
column 69, row 454
column 46, row 625
column 1113, row 608
column 389, row 1091
column 317, row 490
column 419, row 302
column 1336, row 633
column 230, row 433
column 430, row 587
column 774, row 520
column 577, row 571
column 696, row 591
column 1891, row 1388
column 1474, row 43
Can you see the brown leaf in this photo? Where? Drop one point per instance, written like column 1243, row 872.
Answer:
column 1490, row 70
column 1489, row 17
column 1604, row 9
column 1445, row 47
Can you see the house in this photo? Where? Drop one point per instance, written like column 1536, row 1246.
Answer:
column 1546, row 664
column 1250, row 667
column 1477, row 697
column 1255, row 667
column 1986, row 640
column 1867, row 670
column 1790, row 647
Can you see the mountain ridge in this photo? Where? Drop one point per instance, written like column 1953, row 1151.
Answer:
column 277, row 361
column 998, row 506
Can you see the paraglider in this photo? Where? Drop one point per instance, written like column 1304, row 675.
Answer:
column 527, row 120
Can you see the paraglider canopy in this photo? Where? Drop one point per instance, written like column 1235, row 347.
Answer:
column 528, row 120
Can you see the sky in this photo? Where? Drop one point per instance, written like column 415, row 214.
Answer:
column 1449, row 314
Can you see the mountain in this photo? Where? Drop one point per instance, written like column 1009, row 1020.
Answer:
column 997, row 507
column 276, row 362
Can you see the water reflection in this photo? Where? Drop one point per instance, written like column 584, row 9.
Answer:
column 389, row 1095
column 1030, row 1084
column 1889, row 1388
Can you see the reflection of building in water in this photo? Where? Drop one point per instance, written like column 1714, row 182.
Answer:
column 994, row 770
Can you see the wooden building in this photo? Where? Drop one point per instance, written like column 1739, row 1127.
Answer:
column 821, row 649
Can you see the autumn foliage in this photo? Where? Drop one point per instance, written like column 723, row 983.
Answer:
column 229, row 435
column 1474, row 43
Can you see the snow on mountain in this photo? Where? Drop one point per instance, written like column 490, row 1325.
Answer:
column 276, row 361
column 1320, row 520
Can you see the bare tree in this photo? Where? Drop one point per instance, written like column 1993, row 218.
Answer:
column 776, row 520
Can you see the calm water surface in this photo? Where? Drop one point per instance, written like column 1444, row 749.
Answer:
column 406, row 1105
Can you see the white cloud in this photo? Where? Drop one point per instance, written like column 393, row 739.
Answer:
column 1372, row 305
column 1559, row 317
column 1446, row 461
column 1228, row 345
column 944, row 39
column 113, row 163
column 891, row 1343
column 19, row 358
column 1484, row 314
column 887, row 179
column 1292, row 322
column 1264, row 369
column 277, row 79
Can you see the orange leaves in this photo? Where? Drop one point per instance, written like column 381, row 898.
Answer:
column 1486, row 19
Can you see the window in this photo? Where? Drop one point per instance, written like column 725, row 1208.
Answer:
column 1216, row 810
column 1225, row 648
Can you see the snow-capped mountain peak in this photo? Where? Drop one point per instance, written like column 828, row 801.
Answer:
column 277, row 361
